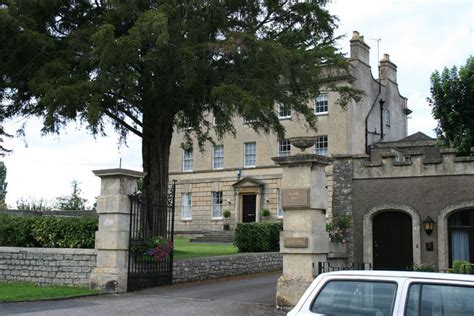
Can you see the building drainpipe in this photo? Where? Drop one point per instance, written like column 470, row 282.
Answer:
column 381, row 102
column 367, row 117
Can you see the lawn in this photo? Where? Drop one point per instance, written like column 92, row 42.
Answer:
column 184, row 249
column 30, row 292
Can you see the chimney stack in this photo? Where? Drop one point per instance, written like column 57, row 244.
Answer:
column 359, row 49
column 388, row 70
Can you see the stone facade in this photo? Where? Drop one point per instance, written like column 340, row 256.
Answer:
column 46, row 266
column 223, row 266
column 348, row 132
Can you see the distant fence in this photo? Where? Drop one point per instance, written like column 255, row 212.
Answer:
column 28, row 213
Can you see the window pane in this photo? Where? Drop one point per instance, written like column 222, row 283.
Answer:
column 440, row 299
column 355, row 298
column 283, row 111
column 321, row 145
column 217, row 204
column 321, row 104
column 186, row 204
column 187, row 160
column 284, row 147
column 218, row 157
column 279, row 208
column 250, row 151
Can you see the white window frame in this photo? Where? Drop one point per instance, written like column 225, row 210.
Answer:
column 187, row 160
column 283, row 111
column 284, row 148
column 248, row 153
column 321, row 150
column 321, row 104
column 218, row 157
column 279, row 207
column 217, row 204
column 186, row 206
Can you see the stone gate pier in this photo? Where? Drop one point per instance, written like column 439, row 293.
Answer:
column 304, row 241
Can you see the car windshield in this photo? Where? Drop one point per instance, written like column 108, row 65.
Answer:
column 355, row 297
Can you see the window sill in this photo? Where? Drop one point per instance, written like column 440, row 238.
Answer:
column 186, row 219
column 322, row 114
column 218, row 168
column 284, row 118
column 250, row 167
column 217, row 219
column 187, row 170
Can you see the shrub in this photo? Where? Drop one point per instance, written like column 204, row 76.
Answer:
column 258, row 237
column 47, row 231
column 338, row 228
column 266, row 212
column 461, row 267
column 424, row 267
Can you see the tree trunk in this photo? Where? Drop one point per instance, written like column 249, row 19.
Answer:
column 156, row 144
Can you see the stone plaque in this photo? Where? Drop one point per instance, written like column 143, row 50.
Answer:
column 295, row 199
column 295, row 242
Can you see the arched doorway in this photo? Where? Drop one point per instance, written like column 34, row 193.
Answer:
column 392, row 241
column 461, row 236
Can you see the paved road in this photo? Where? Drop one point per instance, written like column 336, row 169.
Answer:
column 249, row 295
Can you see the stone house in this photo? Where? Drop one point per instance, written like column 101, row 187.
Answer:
column 411, row 202
column 239, row 175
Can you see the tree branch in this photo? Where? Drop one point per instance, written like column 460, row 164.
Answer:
column 123, row 123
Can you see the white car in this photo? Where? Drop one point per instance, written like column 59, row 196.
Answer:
column 384, row 293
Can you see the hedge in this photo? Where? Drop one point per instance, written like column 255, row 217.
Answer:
column 258, row 237
column 48, row 231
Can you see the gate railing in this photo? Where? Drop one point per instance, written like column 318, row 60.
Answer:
column 148, row 221
column 324, row 267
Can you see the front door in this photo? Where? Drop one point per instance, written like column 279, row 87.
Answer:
column 392, row 241
column 249, row 208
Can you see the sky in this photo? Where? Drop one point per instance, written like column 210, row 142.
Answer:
column 420, row 35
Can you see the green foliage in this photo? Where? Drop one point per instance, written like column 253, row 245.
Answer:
column 258, row 237
column 452, row 100
column 338, row 228
column 462, row 267
column 184, row 249
column 265, row 212
column 73, row 202
column 424, row 267
column 152, row 67
column 3, row 185
column 47, row 231
column 32, row 204
column 226, row 214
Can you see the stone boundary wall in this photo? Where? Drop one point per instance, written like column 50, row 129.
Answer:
column 63, row 266
column 47, row 266
column 222, row 266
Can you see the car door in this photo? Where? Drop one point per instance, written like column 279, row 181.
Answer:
column 437, row 297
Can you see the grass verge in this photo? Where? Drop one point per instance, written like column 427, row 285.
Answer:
column 184, row 249
column 11, row 292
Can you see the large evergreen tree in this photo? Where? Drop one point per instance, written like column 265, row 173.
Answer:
column 152, row 66
column 452, row 99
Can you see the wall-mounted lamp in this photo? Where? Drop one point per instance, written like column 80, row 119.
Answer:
column 267, row 200
column 239, row 173
column 428, row 225
column 228, row 201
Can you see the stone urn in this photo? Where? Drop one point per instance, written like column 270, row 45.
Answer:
column 302, row 142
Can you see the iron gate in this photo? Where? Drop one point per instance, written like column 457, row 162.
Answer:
column 146, row 222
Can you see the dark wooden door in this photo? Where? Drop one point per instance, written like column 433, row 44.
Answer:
column 392, row 241
column 249, row 208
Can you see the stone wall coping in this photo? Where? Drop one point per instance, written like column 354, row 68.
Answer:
column 345, row 156
column 61, row 251
column 253, row 254
column 102, row 173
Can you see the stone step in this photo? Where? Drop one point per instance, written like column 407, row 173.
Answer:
column 214, row 239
